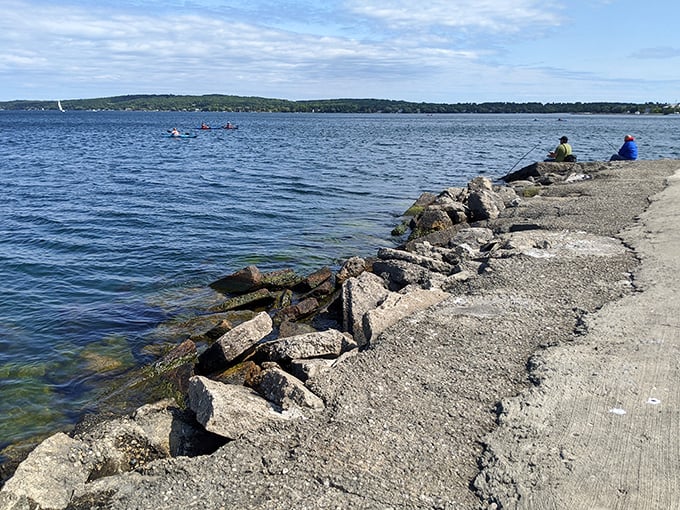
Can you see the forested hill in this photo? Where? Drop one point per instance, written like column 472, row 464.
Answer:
column 226, row 103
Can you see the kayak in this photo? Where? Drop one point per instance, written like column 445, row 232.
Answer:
column 229, row 127
column 181, row 135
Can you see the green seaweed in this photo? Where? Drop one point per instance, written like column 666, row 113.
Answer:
column 400, row 229
column 414, row 210
column 111, row 353
column 531, row 191
column 33, row 407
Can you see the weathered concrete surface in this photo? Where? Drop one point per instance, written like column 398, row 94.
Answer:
column 406, row 420
column 50, row 461
column 602, row 429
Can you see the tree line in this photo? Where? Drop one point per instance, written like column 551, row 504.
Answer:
column 228, row 103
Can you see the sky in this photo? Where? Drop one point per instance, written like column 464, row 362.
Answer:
column 441, row 51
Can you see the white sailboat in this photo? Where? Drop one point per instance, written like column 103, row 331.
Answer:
column 61, row 109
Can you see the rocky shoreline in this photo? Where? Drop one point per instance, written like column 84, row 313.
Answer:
column 388, row 408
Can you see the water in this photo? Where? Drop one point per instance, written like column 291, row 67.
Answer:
column 109, row 228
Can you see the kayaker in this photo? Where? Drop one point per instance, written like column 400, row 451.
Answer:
column 204, row 126
column 175, row 132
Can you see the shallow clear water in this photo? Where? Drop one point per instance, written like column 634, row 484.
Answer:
column 109, row 227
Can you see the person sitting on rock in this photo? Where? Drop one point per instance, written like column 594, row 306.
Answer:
column 562, row 152
column 628, row 151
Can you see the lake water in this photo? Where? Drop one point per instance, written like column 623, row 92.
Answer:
column 109, row 227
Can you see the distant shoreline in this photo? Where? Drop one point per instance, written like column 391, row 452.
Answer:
column 229, row 103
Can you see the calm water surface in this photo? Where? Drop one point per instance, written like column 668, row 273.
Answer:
column 109, row 228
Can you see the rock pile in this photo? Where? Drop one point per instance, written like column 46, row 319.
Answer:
column 480, row 200
column 250, row 368
column 547, row 173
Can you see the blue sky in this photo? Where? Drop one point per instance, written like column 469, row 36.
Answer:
column 435, row 51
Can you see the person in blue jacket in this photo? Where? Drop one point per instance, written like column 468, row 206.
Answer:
column 628, row 151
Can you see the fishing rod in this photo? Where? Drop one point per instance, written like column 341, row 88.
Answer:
column 520, row 159
column 608, row 143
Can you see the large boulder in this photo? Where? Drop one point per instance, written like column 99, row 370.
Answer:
column 243, row 280
column 526, row 173
column 169, row 430
column 358, row 296
column 439, row 238
column 485, row 205
column 321, row 344
column 352, row 268
column 286, row 391
column 49, row 474
column 453, row 193
column 180, row 354
column 508, row 195
column 432, row 219
column 315, row 279
column 154, row 432
column 305, row 369
column 428, row 262
column 397, row 306
column 61, row 466
column 228, row 410
column 234, row 343
column 457, row 211
column 423, row 201
column 537, row 171
column 480, row 183
column 401, row 273
column 282, row 279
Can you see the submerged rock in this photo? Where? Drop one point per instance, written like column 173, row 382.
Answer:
column 260, row 297
column 244, row 280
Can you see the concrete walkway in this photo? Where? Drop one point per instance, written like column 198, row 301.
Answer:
column 602, row 430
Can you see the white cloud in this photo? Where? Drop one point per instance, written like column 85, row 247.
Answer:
column 493, row 15
column 657, row 53
column 443, row 50
column 79, row 46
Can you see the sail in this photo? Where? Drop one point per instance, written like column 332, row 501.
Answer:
column 61, row 109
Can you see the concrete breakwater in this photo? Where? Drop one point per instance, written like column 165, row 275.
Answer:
column 391, row 409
